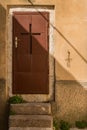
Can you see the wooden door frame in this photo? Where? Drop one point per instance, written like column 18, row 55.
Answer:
column 30, row 97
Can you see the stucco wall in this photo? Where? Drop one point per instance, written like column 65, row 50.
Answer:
column 71, row 23
column 70, row 32
column 71, row 82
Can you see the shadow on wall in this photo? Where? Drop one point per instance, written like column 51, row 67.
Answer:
column 3, row 107
column 70, row 97
column 61, row 34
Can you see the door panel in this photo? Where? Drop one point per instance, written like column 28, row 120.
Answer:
column 41, row 27
column 42, row 46
column 39, row 67
column 26, row 78
column 23, row 63
column 30, row 56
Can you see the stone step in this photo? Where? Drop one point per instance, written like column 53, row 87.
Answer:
column 29, row 128
column 31, row 108
column 44, row 121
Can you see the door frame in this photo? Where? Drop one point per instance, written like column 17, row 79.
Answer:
column 32, row 97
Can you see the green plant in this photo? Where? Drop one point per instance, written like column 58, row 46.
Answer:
column 81, row 124
column 16, row 99
column 64, row 125
column 55, row 124
column 12, row 112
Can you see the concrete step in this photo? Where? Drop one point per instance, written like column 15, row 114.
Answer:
column 44, row 121
column 31, row 108
column 29, row 128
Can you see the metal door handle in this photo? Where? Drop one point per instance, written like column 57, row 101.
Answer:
column 16, row 42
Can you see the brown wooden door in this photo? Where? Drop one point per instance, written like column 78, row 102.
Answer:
column 30, row 53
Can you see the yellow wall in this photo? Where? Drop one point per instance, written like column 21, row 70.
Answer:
column 71, row 21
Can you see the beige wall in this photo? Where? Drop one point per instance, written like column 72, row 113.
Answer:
column 70, row 35
column 71, row 21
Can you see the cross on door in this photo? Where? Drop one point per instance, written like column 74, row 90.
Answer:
column 30, row 36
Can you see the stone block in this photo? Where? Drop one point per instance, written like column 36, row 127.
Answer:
column 31, row 108
column 29, row 128
column 44, row 121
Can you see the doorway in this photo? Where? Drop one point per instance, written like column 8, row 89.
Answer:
column 48, row 94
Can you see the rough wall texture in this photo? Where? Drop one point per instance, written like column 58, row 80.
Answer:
column 70, row 35
column 71, row 99
column 2, row 41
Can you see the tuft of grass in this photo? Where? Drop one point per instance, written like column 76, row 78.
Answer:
column 64, row 125
column 16, row 99
column 81, row 124
column 12, row 113
column 55, row 124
